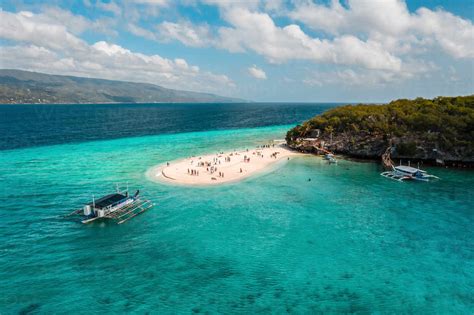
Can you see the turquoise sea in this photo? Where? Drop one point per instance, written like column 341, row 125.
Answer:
column 348, row 241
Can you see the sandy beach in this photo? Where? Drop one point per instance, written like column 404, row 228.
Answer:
column 220, row 168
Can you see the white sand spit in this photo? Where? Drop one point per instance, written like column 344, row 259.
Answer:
column 219, row 168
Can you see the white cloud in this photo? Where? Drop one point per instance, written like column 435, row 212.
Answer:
column 350, row 76
column 257, row 73
column 232, row 4
column 320, row 17
column 376, row 35
column 377, row 41
column 453, row 34
column 139, row 31
column 51, row 48
column 258, row 32
column 161, row 3
column 36, row 29
column 391, row 24
column 110, row 49
column 75, row 24
column 110, row 7
column 185, row 32
column 354, row 41
column 276, row 6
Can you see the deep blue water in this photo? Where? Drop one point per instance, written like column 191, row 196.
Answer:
column 349, row 241
column 34, row 125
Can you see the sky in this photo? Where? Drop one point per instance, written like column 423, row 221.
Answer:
column 270, row 51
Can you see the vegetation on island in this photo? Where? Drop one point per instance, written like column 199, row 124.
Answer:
column 441, row 128
column 24, row 87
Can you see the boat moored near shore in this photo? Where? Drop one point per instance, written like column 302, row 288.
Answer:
column 330, row 158
column 404, row 172
column 119, row 207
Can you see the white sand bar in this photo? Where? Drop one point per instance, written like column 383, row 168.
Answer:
column 219, row 168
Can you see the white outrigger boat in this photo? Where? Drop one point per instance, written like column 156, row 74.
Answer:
column 403, row 172
column 119, row 207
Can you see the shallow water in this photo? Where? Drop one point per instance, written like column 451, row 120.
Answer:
column 349, row 240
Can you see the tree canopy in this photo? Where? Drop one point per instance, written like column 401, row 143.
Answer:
column 448, row 120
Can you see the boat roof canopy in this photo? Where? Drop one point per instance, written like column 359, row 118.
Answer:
column 408, row 169
column 108, row 200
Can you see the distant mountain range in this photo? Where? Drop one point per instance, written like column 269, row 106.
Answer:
column 24, row 87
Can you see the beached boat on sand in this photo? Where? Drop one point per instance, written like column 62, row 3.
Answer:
column 119, row 207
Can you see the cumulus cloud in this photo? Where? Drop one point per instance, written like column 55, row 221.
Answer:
column 36, row 29
column 389, row 16
column 453, row 34
column 257, row 32
column 48, row 47
column 257, row 73
column 371, row 35
column 376, row 41
column 391, row 24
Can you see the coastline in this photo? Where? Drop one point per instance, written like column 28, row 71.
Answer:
column 458, row 165
column 259, row 221
column 222, row 167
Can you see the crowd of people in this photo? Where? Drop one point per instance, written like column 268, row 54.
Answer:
column 211, row 166
column 274, row 155
column 193, row 172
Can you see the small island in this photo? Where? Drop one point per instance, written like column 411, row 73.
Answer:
column 436, row 131
column 221, row 167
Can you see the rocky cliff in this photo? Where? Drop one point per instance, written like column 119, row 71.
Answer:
column 439, row 130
